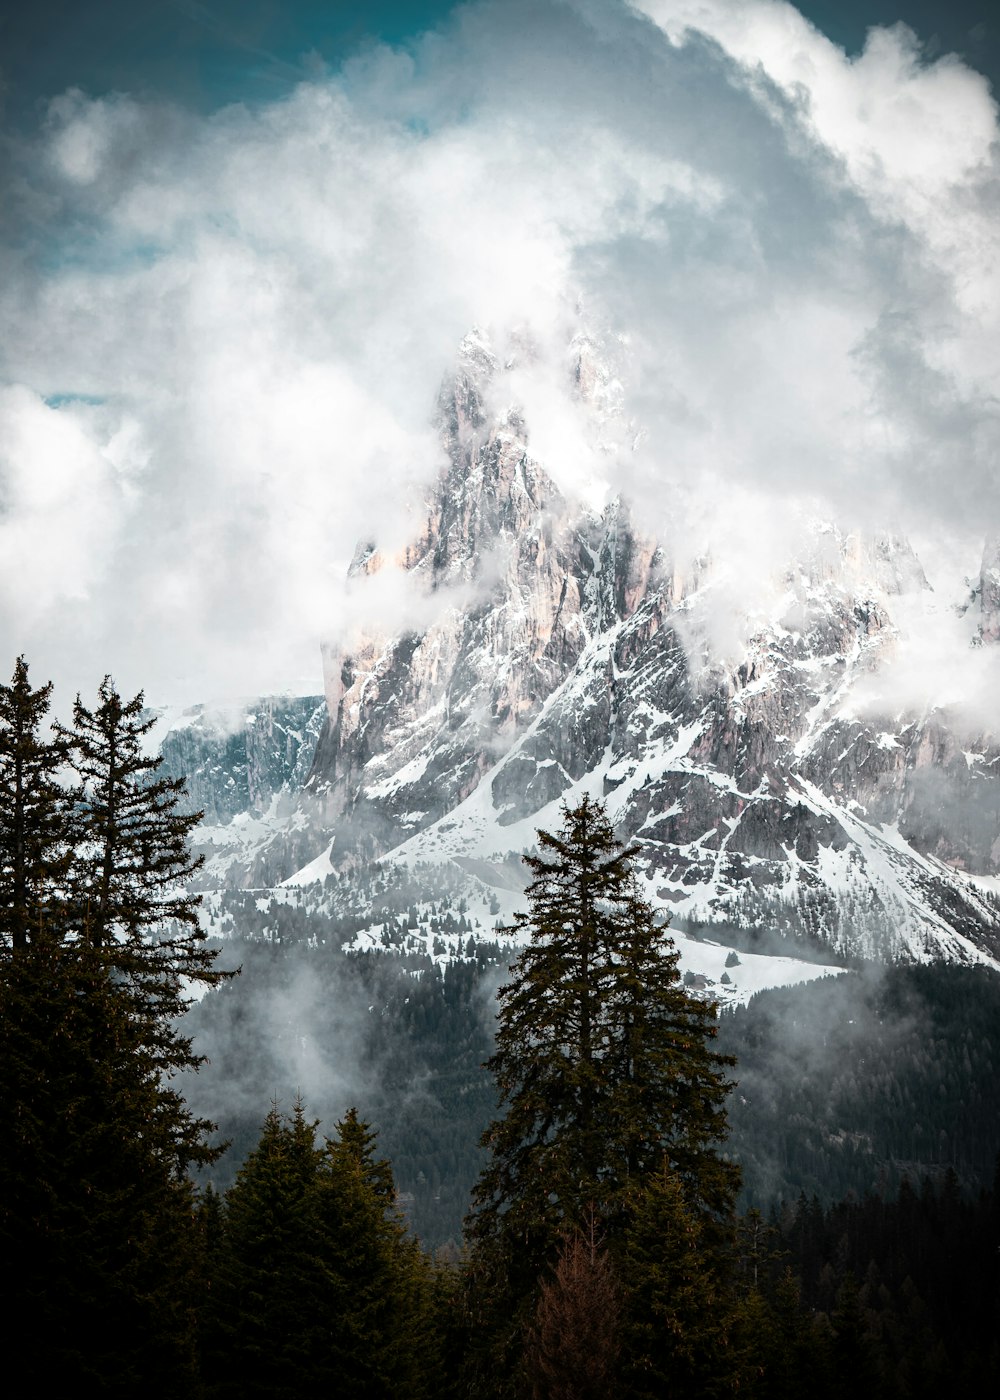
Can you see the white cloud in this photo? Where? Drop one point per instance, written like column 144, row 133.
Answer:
column 258, row 307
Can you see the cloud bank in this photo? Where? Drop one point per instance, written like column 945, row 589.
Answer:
column 225, row 335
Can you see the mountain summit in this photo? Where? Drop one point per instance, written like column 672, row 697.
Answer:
column 558, row 650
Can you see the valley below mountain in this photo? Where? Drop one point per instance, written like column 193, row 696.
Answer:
column 816, row 838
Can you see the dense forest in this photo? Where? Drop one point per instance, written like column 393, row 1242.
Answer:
column 846, row 1084
column 631, row 1198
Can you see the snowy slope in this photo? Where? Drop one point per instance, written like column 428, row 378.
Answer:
column 551, row 650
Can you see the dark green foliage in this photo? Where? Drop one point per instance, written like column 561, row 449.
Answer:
column 604, row 1074
column 268, row 1265
column 96, row 1213
column 317, row 1285
column 133, row 859
column 602, row 1061
column 875, row 1298
column 677, row 1310
column 35, row 828
column 97, row 1218
column 849, row 1083
column 414, row 1035
column 911, row 1285
column 128, row 873
column 852, row 1353
column 780, row 1351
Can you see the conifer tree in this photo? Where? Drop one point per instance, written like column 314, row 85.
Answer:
column 319, row 1287
column 573, row 1344
column 355, row 1144
column 383, row 1344
column 35, row 828
column 677, row 1314
column 603, row 1060
column 132, row 866
column 95, row 1206
column 605, row 1074
column 96, row 1210
column 136, row 861
column 268, row 1292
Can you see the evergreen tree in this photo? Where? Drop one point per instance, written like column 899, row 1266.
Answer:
column 96, row 1211
column 381, row 1285
column 319, row 1288
column 35, row 831
column 131, row 869
column 96, row 1226
column 354, row 1144
column 854, row 1369
column 573, row 1345
column 604, row 1070
column 677, row 1313
column 267, row 1292
column 136, row 857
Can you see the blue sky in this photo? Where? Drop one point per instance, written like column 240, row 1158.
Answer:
column 207, row 54
column 240, row 244
column 200, row 54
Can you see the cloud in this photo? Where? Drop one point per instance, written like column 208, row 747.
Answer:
column 226, row 334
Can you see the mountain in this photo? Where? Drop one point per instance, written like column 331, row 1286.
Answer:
column 245, row 764
column 777, row 804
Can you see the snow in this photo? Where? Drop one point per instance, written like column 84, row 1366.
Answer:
column 755, row 972
column 410, row 772
column 819, row 647
column 317, row 869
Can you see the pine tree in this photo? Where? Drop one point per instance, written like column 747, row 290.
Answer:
column 138, row 858
column 96, row 1209
column 95, row 1206
column 319, row 1288
column 132, row 866
column 383, row 1342
column 268, row 1288
column 355, row 1144
column 604, row 1071
column 35, row 827
column 602, row 1058
column 677, row 1315
column 573, row 1344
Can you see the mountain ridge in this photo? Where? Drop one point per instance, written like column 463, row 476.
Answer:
column 561, row 650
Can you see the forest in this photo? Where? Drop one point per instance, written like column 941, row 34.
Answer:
column 562, row 1178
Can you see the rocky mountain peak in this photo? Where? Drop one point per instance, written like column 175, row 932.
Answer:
column 549, row 650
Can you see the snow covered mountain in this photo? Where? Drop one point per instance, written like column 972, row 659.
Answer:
column 558, row 651
column 245, row 764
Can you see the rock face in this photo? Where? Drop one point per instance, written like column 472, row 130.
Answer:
column 519, row 583
column 559, row 653
column 245, row 766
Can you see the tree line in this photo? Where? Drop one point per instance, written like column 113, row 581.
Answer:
column 604, row 1255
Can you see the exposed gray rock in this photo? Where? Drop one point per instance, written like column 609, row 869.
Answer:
column 561, row 648
column 243, row 758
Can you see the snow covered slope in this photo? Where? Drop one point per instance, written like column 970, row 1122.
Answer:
column 551, row 650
